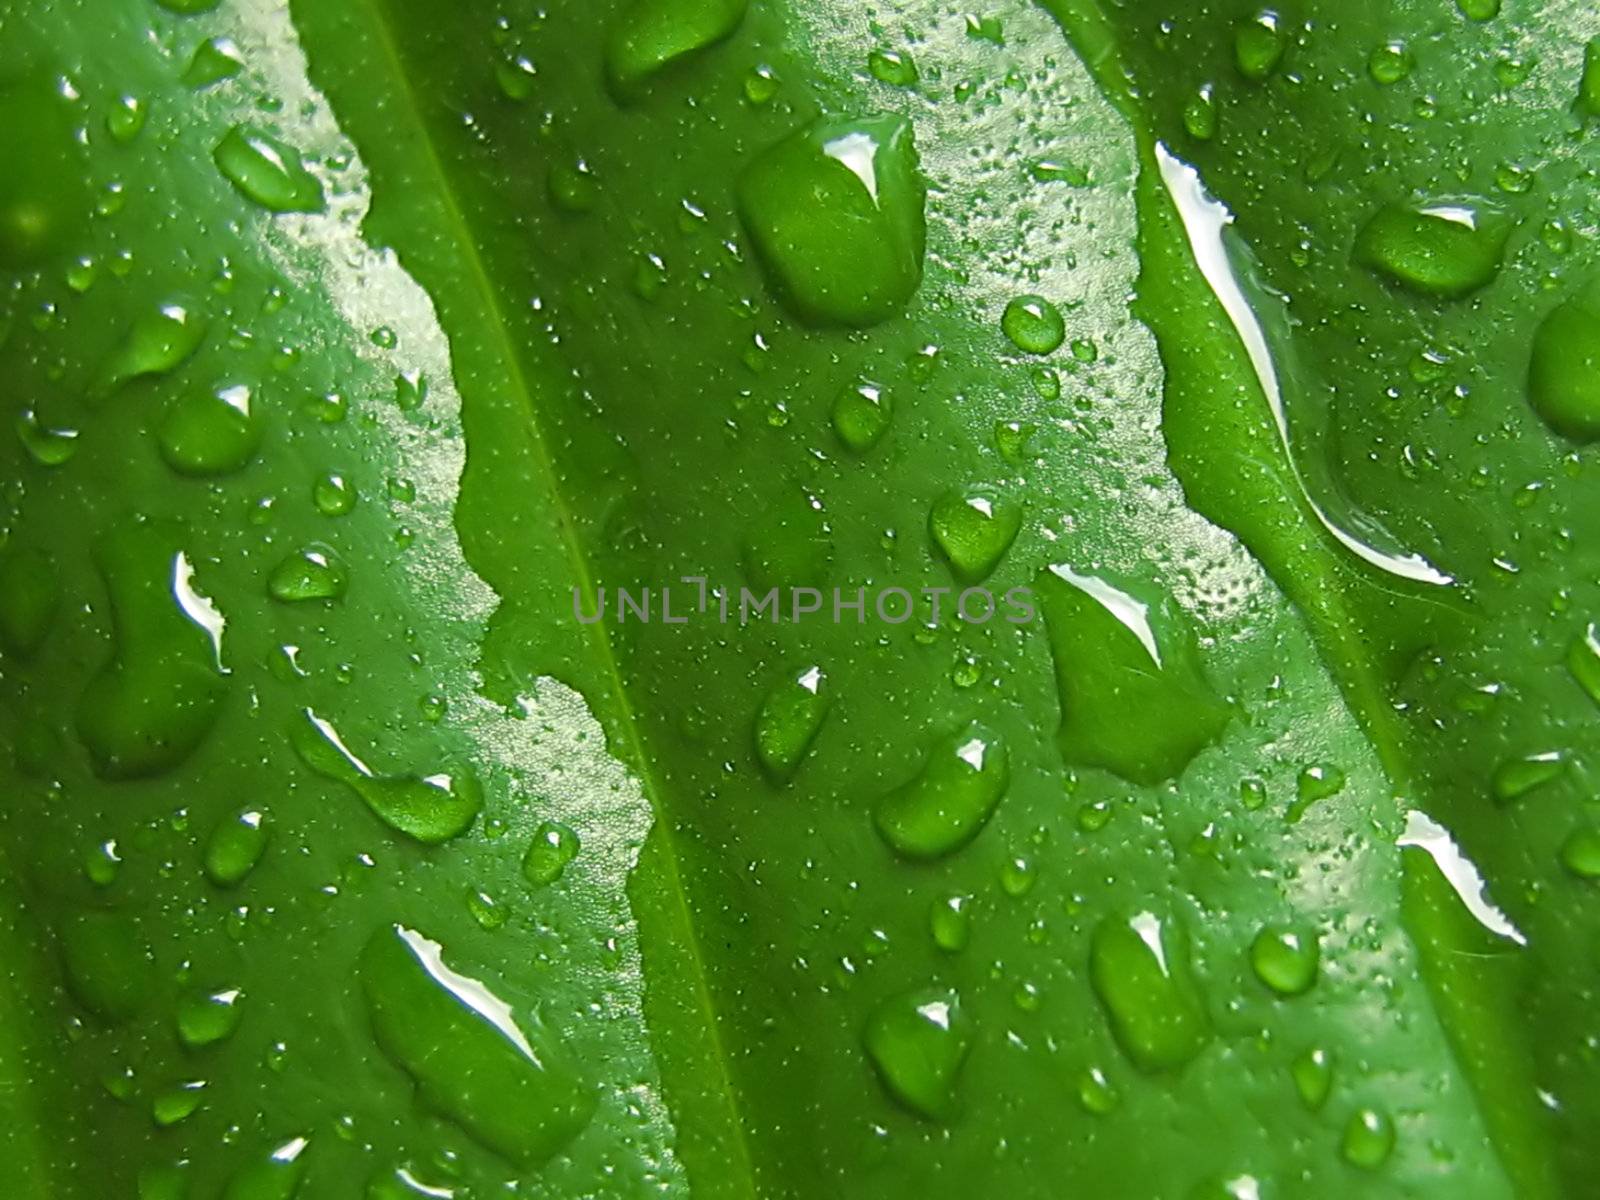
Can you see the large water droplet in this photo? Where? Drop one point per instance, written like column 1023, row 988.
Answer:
column 157, row 343
column 275, row 1175
column 268, row 171
column 1564, row 370
column 836, row 214
column 1445, row 250
column 653, row 34
column 1139, row 966
column 951, row 799
column 43, row 194
column 48, row 445
column 430, row 809
column 161, row 690
column 789, row 720
column 107, row 964
column 209, row 433
column 1133, row 697
column 29, row 596
column 503, row 1080
column 1516, row 777
column 973, row 528
column 1285, row 959
column 917, row 1042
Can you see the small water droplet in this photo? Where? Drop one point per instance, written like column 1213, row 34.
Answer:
column 554, row 845
column 1285, row 959
column 205, row 1018
column 950, row 922
column 333, row 495
column 126, row 118
column 1034, row 325
column 950, row 799
column 1258, row 45
column 313, row 573
column 1200, row 118
column 235, row 846
column 917, row 1042
column 1312, row 1072
column 1317, row 782
column 1368, row 1139
column 894, row 67
column 1516, row 777
column 573, row 187
column 1095, row 1092
column 788, row 722
column 48, row 445
column 861, row 415
column 214, row 60
column 761, row 84
column 1479, row 10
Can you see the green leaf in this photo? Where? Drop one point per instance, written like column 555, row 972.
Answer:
column 1116, row 711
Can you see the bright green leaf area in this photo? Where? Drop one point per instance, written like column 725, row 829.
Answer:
column 341, row 857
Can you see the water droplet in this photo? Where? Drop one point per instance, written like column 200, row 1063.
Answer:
column 1368, row 1139
column 985, row 29
column 1252, row 793
column 430, row 809
column 1134, row 699
column 895, row 67
column 333, row 495
column 214, row 60
column 1580, row 853
column 552, row 848
column 861, row 415
column 950, row 799
column 1445, row 250
column 107, row 964
column 917, row 1042
column 268, row 171
column 836, row 215
column 1564, row 370
column 275, row 1175
column 1479, row 10
column 1317, row 782
column 209, row 433
column 1049, row 170
column 235, row 846
column 177, row 1103
column 102, row 863
column 43, row 194
column 1200, row 114
column 950, row 923
column 1589, row 84
column 973, row 528
column 789, row 720
column 1017, row 876
column 205, row 1018
column 1516, row 777
column 573, row 187
column 761, row 84
column 1139, row 967
column 158, row 342
column 1285, row 959
column 1583, row 661
column 126, row 118
column 1312, row 1072
column 29, row 597
column 160, row 691
column 1258, row 46
column 1033, row 324
column 503, row 1080
column 1095, row 1092
column 1390, row 63
column 654, row 34
column 314, row 573
column 516, row 77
